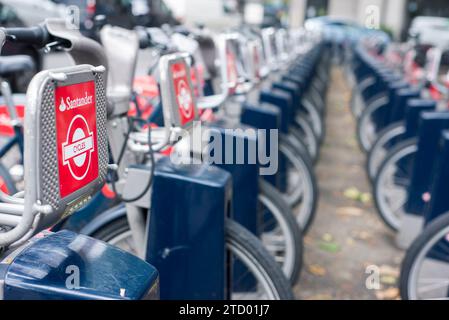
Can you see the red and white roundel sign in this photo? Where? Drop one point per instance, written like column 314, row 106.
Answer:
column 232, row 69
column 183, row 92
column 76, row 127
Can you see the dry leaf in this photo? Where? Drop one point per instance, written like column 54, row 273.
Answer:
column 365, row 198
column 389, row 270
column 332, row 247
column 362, row 235
column 388, row 294
column 308, row 240
column 349, row 211
column 352, row 193
column 322, row 296
column 350, row 241
column 327, row 237
column 317, row 270
column 390, row 280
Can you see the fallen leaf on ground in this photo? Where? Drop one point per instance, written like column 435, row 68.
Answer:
column 322, row 296
column 365, row 198
column 398, row 260
column 332, row 247
column 327, row 237
column 391, row 280
column 349, row 211
column 352, row 193
column 350, row 241
column 389, row 270
column 388, row 294
column 308, row 240
column 356, row 195
column 317, row 270
column 362, row 235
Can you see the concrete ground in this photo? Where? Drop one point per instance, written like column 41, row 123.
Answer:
column 349, row 252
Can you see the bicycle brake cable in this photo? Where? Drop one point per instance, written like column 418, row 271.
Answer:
column 152, row 161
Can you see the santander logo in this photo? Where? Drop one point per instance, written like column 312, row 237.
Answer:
column 73, row 103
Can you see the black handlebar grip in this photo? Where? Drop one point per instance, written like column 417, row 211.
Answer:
column 37, row 36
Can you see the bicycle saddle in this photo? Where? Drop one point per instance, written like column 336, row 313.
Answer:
column 13, row 64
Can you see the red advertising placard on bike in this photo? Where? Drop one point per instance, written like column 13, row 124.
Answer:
column 76, row 136
column 232, row 70
column 183, row 92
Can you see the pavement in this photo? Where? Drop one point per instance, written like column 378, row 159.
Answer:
column 349, row 252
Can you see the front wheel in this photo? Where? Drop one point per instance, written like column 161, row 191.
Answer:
column 366, row 128
column 242, row 246
column 303, row 131
column 425, row 268
column 302, row 188
column 281, row 235
column 314, row 118
column 392, row 181
column 387, row 138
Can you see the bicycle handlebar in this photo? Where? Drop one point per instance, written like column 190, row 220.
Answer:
column 55, row 32
column 37, row 36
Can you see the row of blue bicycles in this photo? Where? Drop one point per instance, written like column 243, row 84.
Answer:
column 400, row 100
column 107, row 190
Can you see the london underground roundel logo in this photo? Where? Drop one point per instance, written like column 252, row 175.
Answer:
column 76, row 136
column 78, row 148
column 183, row 93
column 185, row 99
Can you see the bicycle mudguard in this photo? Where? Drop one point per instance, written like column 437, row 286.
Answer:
column 186, row 239
column 64, row 265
